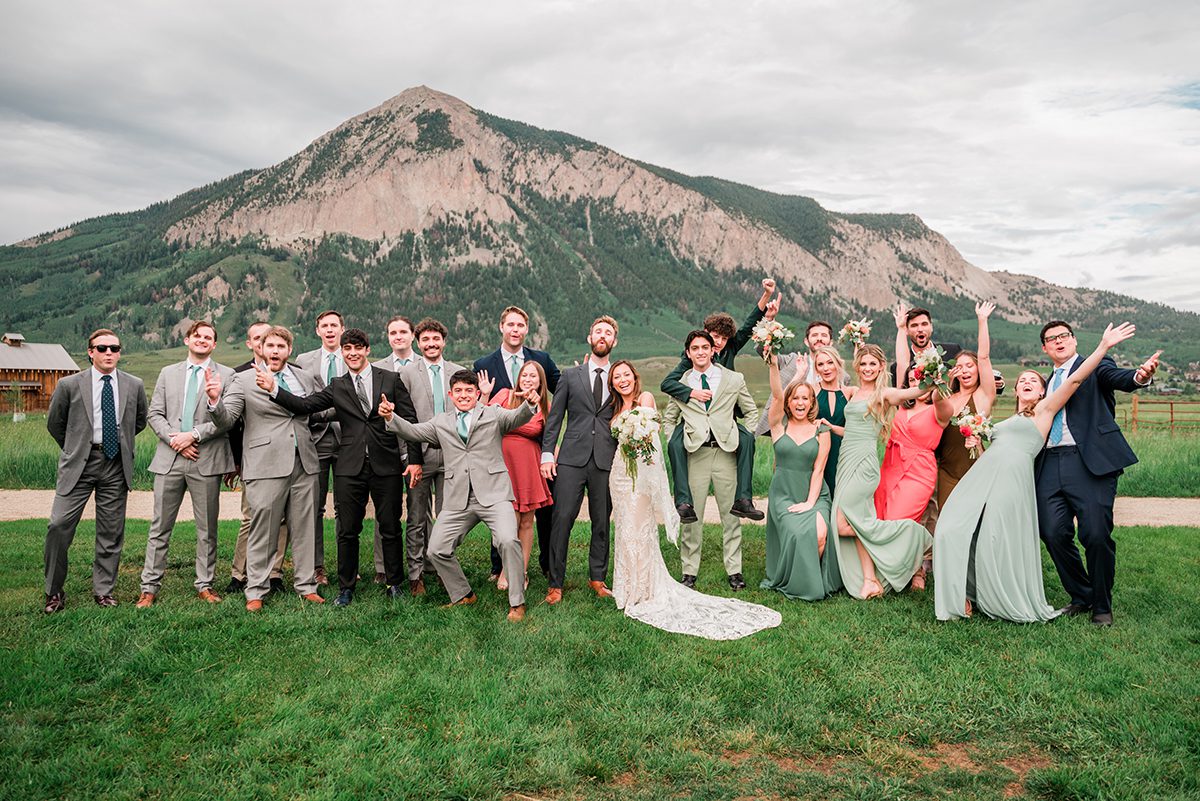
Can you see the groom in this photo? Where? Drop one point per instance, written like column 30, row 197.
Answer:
column 710, row 438
column 1077, row 472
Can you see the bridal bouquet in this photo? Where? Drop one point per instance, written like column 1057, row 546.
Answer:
column 770, row 336
column 930, row 370
column 635, row 432
column 856, row 331
column 973, row 425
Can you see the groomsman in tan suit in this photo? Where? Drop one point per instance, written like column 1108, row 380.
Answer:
column 710, row 438
column 400, row 337
column 94, row 416
column 428, row 382
column 191, row 456
column 279, row 466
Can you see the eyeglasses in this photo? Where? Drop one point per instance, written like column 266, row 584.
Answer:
column 106, row 348
column 1057, row 338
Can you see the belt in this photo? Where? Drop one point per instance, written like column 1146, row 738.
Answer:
column 1062, row 450
column 711, row 443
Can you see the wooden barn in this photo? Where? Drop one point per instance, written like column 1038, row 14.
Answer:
column 31, row 371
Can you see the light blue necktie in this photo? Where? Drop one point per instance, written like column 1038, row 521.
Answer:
column 439, row 391
column 191, row 394
column 514, row 370
column 462, row 426
column 331, row 369
column 1056, row 427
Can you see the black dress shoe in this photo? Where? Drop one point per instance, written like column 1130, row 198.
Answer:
column 744, row 508
column 277, row 585
column 1071, row 610
column 687, row 513
column 104, row 600
column 345, row 598
column 736, row 582
column 394, row 592
column 1102, row 619
column 688, row 581
column 235, row 585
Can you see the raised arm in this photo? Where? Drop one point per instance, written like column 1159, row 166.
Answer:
column 310, row 404
column 744, row 333
column 672, row 385
column 515, row 418
column 903, row 352
column 412, row 432
column 775, row 411
column 985, row 393
column 1052, row 403
column 898, row 396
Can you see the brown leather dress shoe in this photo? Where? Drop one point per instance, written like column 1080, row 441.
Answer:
column 55, row 603
column 312, row 598
column 466, row 600
column 601, row 590
column 145, row 600
column 322, row 579
column 516, row 613
column 416, row 587
column 380, row 578
column 104, row 600
column 254, row 606
column 554, row 596
column 209, row 596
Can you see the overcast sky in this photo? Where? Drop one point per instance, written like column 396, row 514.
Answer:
column 1055, row 138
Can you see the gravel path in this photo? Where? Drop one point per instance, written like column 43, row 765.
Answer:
column 33, row 504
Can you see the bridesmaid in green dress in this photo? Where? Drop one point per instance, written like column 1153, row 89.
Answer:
column 799, row 562
column 832, row 397
column 989, row 553
column 874, row 555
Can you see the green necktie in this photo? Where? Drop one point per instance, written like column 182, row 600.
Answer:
column 462, row 426
column 331, row 370
column 704, row 385
column 282, row 383
column 514, row 370
column 191, row 394
column 439, row 392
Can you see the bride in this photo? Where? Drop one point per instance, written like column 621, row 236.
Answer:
column 641, row 584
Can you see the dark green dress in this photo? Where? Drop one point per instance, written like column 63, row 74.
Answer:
column 794, row 566
column 836, row 416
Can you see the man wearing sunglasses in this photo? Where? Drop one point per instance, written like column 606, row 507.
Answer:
column 94, row 416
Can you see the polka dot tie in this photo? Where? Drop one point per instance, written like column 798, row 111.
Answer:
column 111, row 442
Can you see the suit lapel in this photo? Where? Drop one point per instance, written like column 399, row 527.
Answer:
column 128, row 402
column 725, row 387
column 85, row 389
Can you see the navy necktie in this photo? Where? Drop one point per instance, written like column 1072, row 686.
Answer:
column 111, row 439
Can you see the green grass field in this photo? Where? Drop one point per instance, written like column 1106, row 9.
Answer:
column 846, row 700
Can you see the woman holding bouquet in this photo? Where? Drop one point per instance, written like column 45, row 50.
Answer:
column 873, row 554
column 989, row 552
column 800, row 563
column 522, row 452
column 832, row 397
column 642, row 586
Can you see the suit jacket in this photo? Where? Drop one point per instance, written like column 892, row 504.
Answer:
column 273, row 434
column 588, row 432
column 166, row 413
column 476, row 466
column 718, row 419
column 386, row 362
column 322, row 428
column 674, row 386
column 415, row 376
column 1090, row 416
column 70, row 420
column 495, row 365
column 362, row 433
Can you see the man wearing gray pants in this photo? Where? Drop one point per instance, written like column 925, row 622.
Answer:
column 192, row 455
column 94, row 417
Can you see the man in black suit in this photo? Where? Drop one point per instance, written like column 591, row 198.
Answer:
column 584, row 460
column 503, row 365
column 368, row 462
column 1076, row 474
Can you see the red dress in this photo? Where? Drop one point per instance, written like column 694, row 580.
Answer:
column 523, row 456
column 909, row 473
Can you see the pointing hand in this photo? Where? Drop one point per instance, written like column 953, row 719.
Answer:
column 386, row 407
column 212, row 384
column 264, row 379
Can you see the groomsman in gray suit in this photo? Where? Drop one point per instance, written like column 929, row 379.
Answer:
column 94, row 416
column 192, row 455
column 325, row 364
column 477, row 485
column 400, row 335
column 427, row 379
column 279, row 465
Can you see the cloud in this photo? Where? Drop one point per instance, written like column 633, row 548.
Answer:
column 1059, row 140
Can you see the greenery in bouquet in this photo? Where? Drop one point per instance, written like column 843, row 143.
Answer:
column 929, row 368
column 856, row 331
column 770, row 336
column 635, row 432
column 974, row 425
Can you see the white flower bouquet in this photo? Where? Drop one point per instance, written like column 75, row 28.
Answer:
column 856, row 331
column 930, row 370
column 970, row 425
column 770, row 336
column 635, row 432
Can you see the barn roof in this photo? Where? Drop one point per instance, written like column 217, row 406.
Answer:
column 36, row 356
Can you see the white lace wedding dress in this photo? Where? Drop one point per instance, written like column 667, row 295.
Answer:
column 642, row 586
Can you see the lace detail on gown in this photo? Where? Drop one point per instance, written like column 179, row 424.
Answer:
column 642, row 585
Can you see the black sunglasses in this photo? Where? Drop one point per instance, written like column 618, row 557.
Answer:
column 106, row 348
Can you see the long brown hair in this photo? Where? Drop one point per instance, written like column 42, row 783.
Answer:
column 973, row 356
column 515, row 400
column 1041, row 380
column 612, row 391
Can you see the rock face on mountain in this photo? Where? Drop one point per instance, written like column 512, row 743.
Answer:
column 424, row 158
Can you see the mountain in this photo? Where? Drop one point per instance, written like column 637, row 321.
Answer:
column 426, row 206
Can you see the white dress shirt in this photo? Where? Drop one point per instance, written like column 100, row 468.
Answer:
column 591, row 378
column 713, row 373
column 509, row 358
column 440, row 375
column 368, row 385
column 339, row 364
column 397, row 362
column 1067, row 439
column 97, row 412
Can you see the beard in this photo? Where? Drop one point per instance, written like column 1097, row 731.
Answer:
column 601, row 349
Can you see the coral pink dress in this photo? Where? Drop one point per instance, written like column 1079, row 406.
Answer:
column 522, row 455
column 909, row 473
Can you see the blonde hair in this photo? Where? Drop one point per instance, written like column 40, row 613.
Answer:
column 877, row 407
column 604, row 318
column 831, row 352
column 792, row 389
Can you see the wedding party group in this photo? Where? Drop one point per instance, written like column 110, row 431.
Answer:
column 515, row 443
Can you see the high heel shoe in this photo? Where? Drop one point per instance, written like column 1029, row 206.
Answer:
column 918, row 580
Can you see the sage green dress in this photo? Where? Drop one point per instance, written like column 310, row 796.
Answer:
column 988, row 548
column 794, row 565
column 895, row 546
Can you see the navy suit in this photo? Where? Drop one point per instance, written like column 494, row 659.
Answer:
column 1080, row 483
column 498, row 371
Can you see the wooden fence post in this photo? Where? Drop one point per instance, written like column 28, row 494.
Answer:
column 1135, row 413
